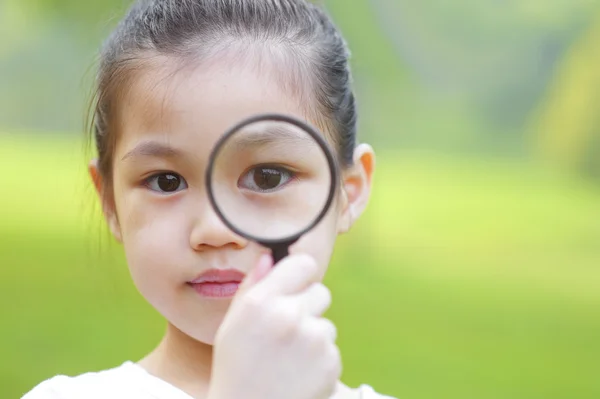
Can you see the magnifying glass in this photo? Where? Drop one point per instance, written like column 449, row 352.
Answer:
column 270, row 179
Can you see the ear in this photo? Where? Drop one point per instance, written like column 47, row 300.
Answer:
column 357, row 182
column 108, row 206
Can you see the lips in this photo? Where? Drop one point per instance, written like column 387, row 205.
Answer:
column 217, row 283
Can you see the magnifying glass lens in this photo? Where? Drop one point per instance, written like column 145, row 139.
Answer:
column 271, row 180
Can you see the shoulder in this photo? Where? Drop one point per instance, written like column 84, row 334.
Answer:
column 115, row 382
column 367, row 392
column 364, row 391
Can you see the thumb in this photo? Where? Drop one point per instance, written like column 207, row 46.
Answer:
column 260, row 270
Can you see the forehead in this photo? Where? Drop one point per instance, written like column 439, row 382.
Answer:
column 194, row 106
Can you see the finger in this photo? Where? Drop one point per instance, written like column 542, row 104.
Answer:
column 322, row 327
column 292, row 275
column 315, row 300
column 329, row 328
column 260, row 270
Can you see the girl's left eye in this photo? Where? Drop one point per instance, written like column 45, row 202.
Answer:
column 265, row 179
column 166, row 183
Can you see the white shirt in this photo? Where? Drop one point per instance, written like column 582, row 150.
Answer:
column 127, row 381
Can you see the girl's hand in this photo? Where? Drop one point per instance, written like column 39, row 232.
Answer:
column 273, row 342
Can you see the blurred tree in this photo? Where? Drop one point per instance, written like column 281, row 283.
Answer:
column 494, row 56
column 566, row 128
column 89, row 18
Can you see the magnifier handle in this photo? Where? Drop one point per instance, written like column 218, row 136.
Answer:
column 279, row 252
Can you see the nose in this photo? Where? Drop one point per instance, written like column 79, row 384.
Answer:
column 209, row 232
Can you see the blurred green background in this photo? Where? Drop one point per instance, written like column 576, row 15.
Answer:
column 475, row 272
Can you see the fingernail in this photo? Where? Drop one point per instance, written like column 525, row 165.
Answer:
column 263, row 266
column 264, row 261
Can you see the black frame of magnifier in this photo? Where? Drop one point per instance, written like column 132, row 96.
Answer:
column 279, row 247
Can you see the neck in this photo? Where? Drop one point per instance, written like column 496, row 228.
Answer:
column 181, row 361
column 186, row 364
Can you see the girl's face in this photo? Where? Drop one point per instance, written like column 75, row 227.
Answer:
column 168, row 125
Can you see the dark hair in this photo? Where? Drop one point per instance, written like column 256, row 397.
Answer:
column 187, row 29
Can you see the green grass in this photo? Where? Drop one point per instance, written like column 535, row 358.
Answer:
column 466, row 278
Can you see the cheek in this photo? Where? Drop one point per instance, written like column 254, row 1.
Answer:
column 319, row 242
column 153, row 234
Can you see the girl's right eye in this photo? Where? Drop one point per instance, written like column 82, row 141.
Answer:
column 166, row 183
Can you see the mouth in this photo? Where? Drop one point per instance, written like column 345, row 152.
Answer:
column 217, row 283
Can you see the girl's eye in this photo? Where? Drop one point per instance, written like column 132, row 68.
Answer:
column 265, row 178
column 166, row 183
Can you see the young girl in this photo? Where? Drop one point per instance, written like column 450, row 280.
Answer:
column 173, row 77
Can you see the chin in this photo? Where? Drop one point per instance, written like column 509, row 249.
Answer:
column 207, row 338
column 202, row 329
column 188, row 317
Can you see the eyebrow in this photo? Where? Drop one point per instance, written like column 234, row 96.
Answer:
column 153, row 149
column 271, row 135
